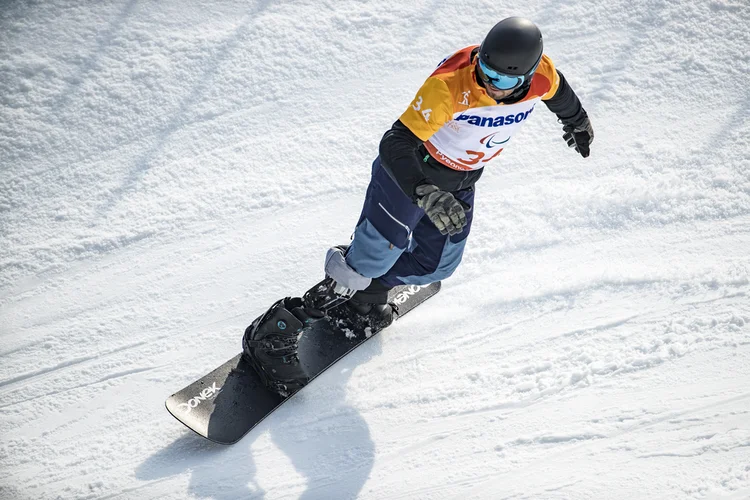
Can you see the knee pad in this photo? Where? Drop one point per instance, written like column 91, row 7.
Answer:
column 337, row 268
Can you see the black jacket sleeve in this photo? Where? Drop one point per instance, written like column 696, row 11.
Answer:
column 399, row 157
column 565, row 104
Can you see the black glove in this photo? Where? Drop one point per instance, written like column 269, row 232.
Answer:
column 444, row 210
column 579, row 136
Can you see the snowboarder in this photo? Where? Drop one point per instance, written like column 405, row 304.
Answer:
column 417, row 212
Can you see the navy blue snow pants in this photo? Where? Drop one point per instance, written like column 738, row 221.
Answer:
column 396, row 242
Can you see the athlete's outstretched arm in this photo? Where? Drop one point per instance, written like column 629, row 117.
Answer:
column 565, row 103
column 579, row 133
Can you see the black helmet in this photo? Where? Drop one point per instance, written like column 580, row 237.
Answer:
column 512, row 47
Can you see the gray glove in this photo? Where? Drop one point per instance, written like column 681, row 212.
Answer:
column 444, row 210
column 579, row 136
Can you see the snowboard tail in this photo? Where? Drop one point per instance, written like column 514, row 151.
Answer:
column 228, row 402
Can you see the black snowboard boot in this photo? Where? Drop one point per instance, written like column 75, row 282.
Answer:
column 368, row 311
column 270, row 344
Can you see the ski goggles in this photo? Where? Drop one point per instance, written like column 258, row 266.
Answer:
column 501, row 80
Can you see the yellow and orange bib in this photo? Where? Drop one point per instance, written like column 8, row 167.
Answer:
column 461, row 126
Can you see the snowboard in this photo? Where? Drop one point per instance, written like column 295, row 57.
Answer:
column 228, row 402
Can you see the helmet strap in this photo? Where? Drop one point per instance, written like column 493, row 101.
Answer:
column 517, row 94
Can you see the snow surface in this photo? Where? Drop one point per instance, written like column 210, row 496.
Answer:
column 170, row 168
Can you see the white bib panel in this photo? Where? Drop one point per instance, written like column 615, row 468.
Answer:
column 475, row 136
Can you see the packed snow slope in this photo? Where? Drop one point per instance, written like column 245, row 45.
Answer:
column 168, row 169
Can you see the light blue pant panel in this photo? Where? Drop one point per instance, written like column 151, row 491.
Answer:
column 370, row 253
column 449, row 261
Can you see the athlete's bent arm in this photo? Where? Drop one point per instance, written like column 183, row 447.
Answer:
column 398, row 155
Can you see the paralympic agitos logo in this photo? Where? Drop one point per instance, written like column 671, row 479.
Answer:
column 494, row 121
column 491, row 141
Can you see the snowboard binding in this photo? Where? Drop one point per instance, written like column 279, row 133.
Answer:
column 270, row 345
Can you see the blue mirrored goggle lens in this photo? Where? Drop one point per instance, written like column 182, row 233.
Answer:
column 500, row 80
